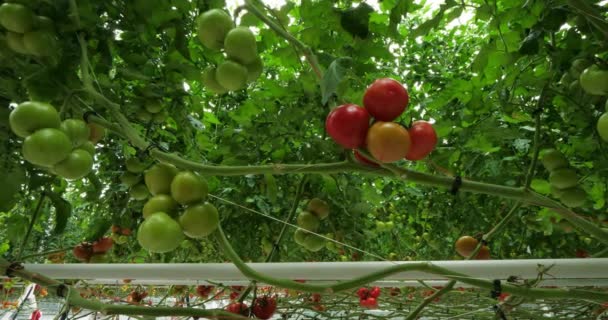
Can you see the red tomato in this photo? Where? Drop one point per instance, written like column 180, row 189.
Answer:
column 36, row 315
column 264, row 307
column 316, row 297
column 370, row 302
column 423, row 138
column 237, row 308
column 82, row 252
column 363, row 293
column 102, row 245
column 385, row 99
column 388, row 141
column 364, row 160
column 203, row 291
column 483, row 254
column 115, row 229
column 347, row 125
column 375, row 292
column 126, row 232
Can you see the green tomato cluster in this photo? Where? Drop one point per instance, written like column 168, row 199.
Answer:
column 152, row 111
column 60, row 147
column 163, row 228
column 602, row 124
column 310, row 220
column 133, row 178
column 26, row 32
column 382, row 226
column 243, row 65
column 563, row 179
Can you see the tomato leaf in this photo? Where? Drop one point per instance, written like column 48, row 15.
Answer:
column 63, row 211
column 356, row 20
column 332, row 78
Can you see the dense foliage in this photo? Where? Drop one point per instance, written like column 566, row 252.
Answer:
column 499, row 80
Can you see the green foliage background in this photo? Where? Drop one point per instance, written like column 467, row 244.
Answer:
column 478, row 80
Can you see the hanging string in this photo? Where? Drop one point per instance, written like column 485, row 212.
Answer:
column 295, row 226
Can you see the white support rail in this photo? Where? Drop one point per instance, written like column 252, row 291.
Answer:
column 565, row 272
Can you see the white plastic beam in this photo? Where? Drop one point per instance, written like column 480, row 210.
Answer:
column 596, row 269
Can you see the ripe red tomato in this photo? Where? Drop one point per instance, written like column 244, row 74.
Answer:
column 363, row 293
column 264, row 307
column 83, row 252
column 102, row 245
column 347, row 125
column 370, row 302
column 374, row 292
column 388, row 141
column 237, row 308
column 385, row 99
column 423, row 138
column 203, row 291
column 364, row 160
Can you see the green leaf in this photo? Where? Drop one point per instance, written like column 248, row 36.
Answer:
column 63, row 211
column 97, row 228
column 531, row 43
column 433, row 23
column 332, row 78
column 356, row 20
column 11, row 180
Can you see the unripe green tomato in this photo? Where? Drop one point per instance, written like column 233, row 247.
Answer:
column 602, row 126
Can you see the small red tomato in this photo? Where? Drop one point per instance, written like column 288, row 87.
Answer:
column 115, row 229
column 237, row 308
column 347, row 125
column 82, row 252
column 374, row 292
column 316, row 297
column 385, row 99
column 580, row 253
column 363, row 293
column 369, row 302
column 102, row 245
column 36, row 315
column 423, row 139
column 264, row 307
column 126, row 232
column 483, row 254
column 364, row 160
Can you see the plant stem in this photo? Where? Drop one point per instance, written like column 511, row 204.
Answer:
column 45, row 253
column 310, row 56
column 452, row 283
column 31, row 226
column 399, row 268
column 521, row 194
column 275, row 245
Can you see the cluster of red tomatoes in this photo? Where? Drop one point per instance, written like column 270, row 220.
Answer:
column 93, row 252
column 387, row 141
column 368, row 298
column 262, row 307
